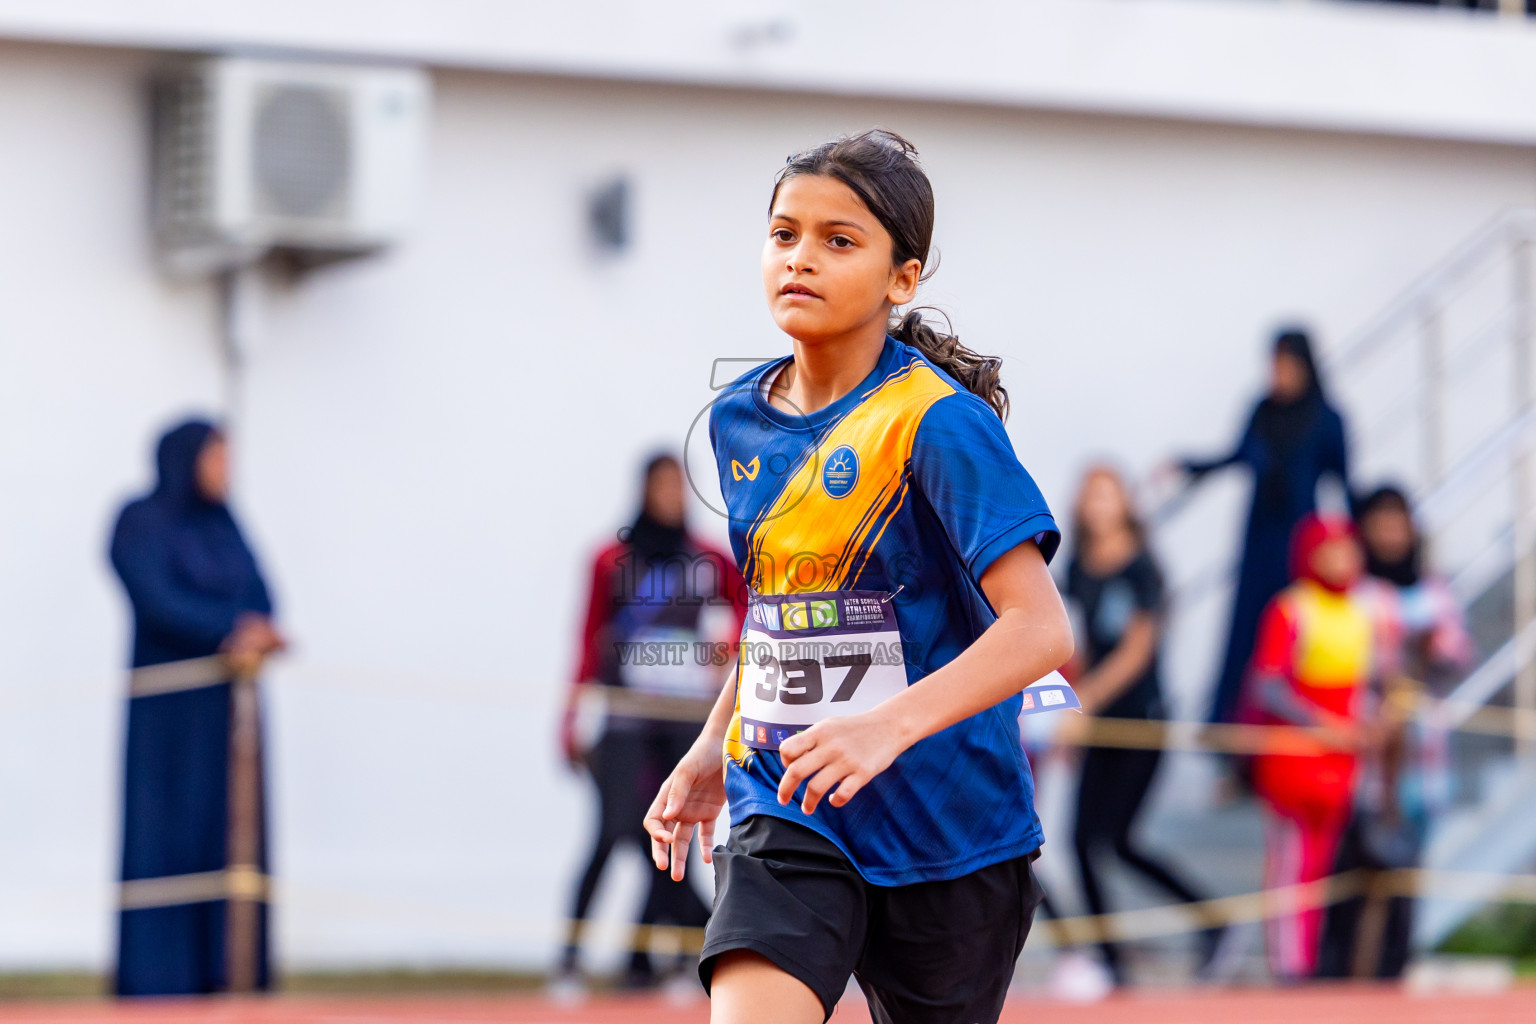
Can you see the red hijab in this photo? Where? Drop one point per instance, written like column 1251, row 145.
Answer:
column 1313, row 532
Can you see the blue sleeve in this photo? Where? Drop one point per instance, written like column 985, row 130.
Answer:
column 140, row 554
column 964, row 465
column 1335, row 458
column 1244, row 452
column 258, row 598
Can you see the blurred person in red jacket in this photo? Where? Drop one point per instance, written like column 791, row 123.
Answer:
column 1317, row 654
column 664, row 615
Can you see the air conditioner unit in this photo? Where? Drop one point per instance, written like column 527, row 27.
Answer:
column 251, row 156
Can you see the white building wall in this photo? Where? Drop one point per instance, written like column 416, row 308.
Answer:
column 1337, row 64
column 432, row 442
column 95, row 351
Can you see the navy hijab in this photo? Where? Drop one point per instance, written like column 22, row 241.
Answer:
column 1287, row 426
column 187, row 569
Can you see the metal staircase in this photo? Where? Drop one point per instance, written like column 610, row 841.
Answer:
column 1439, row 393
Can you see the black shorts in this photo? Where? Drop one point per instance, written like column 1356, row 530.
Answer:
column 931, row 951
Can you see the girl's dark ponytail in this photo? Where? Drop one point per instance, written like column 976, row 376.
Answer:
column 977, row 373
column 882, row 169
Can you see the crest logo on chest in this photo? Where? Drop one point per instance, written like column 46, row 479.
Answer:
column 841, row 471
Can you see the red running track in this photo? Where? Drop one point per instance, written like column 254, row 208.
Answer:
column 1318, row 1005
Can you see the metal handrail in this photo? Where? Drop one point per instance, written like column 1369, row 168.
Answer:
column 1483, row 683
column 1510, row 236
column 1513, row 225
column 1520, row 431
column 1482, row 342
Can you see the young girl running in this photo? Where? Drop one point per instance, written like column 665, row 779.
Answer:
column 882, row 813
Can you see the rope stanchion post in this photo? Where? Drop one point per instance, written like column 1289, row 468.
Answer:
column 243, row 909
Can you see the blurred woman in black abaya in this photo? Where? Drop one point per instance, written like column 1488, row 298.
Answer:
column 196, row 592
column 1294, row 439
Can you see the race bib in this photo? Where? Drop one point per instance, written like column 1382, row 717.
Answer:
column 1049, row 693
column 806, row 657
column 809, row 657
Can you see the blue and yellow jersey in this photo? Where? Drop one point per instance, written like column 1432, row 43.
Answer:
column 906, row 485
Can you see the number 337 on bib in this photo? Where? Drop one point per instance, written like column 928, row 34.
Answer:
column 809, row 657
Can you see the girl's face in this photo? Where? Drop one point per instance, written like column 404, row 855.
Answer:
column 664, row 498
column 212, row 469
column 1338, row 562
column 1388, row 533
column 1289, row 378
column 827, row 262
column 1101, row 505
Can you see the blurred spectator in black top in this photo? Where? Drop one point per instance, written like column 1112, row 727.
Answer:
column 1117, row 591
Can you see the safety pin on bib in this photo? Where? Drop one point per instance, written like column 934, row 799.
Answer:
column 888, row 598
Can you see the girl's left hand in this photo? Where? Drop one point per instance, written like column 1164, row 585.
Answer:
column 845, row 752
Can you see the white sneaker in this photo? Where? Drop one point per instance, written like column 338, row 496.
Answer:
column 1230, row 955
column 682, row 989
column 567, row 989
column 1080, row 978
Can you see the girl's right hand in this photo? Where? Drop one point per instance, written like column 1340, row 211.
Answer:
column 693, row 796
column 575, row 757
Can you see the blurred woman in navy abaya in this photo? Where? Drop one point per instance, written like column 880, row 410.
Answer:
column 1294, row 439
column 196, row 591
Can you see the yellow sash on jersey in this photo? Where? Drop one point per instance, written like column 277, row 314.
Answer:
column 808, row 540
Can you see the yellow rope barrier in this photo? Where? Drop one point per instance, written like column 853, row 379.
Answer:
column 239, row 881
column 1126, row 925
column 1136, row 734
column 1147, row 922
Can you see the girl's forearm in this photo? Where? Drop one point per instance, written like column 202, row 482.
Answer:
column 1278, row 698
column 719, row 720
column 1012, row 653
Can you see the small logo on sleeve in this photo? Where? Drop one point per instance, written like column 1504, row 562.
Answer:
column 749, row 470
